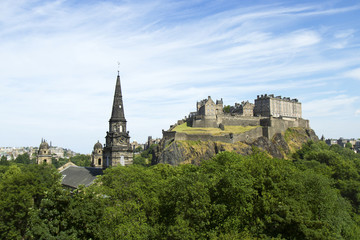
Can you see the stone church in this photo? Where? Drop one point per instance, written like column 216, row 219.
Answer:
column 117, row 149
column 44, row 153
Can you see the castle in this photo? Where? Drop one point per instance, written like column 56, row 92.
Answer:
column 269, row 115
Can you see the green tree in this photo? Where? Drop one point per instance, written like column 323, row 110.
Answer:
column 81, row 160
column 348, row 145
column 226, row 109
column 21, row 191
column 23, row 158
column 139, row 160
column 4, row 161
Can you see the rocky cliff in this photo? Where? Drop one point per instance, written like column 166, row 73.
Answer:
column 182, row 152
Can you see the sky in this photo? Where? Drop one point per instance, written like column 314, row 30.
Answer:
column 59, row 62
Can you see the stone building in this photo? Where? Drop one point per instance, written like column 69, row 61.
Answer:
column 44, row 153
column 244, row 109
column 269, row 115
column 97, row 155
column 117, row 149
column 207, row 113
column 270, row 106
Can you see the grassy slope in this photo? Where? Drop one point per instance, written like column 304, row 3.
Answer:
column 213, row 131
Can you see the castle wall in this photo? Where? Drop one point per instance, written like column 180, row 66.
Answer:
column 168, row 134
column 249, row 136
column 225, row 119
column 238, row 120
column 271, row 126
column 205, row 122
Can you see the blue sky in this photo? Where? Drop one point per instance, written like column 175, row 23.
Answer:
column 58, row 64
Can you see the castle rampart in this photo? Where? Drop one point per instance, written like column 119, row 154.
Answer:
column 272, row 114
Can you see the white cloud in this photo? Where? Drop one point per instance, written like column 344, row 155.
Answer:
column 357, row 112
column 59, row 62
column 334, row 106
column 355, row 74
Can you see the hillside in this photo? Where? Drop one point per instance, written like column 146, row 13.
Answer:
column 177, row 152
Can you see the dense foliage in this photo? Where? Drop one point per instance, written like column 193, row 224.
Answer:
column 314, row 196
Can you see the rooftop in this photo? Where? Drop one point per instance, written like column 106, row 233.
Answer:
column 73, row 176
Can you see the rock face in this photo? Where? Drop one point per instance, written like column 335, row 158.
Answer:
column 183, row 152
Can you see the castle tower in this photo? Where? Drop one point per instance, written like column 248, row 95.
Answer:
column 44, row 153
column 117, row 149
column 97, row 155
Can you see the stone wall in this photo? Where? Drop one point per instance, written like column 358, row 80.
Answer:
column 248, row 136
column 238, row 120
column 205, row 121
column 271, row 126
column 268, row 105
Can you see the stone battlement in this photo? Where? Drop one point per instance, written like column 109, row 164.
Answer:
column 287, row 99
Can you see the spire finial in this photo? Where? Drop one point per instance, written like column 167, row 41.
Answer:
column 118, row 68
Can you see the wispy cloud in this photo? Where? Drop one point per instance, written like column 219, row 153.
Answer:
column 58, row 62
column 355, row 74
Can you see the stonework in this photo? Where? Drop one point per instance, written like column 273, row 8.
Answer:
column 97, row 155
column 271, row 114
column 44, row 153
column 270, row 106
column 117, row 149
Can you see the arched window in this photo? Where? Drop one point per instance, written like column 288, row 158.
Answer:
column 99, row 161
column 45, row 160
column 121, row 128
column 99, row 151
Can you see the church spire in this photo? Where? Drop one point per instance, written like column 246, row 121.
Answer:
column 118, row 107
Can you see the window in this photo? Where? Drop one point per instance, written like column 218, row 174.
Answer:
column 99, row 161
column 121, row 128
column 45, row 160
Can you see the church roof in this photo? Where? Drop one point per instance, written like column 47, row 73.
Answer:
column 44, row 145
column 73, row 176
column 98, row 145
column 118, row 106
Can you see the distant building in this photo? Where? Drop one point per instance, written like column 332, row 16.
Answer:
column 97, row 155
column 44, row 153
column 355, row 144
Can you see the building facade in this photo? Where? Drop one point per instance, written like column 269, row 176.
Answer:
column 97, row 155
column 270, row 106
column 44, row 153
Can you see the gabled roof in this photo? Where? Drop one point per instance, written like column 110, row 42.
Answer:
column 73, row 176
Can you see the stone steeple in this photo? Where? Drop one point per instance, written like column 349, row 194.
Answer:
column 117, row 150
column 118, row 106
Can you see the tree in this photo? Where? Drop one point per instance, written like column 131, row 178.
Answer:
column 81, row 160
column 348, row 145
column 226, row 109
column 21, row 191
column 23, row 158
column 4, row 161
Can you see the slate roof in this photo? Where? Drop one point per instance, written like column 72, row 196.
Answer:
column 118, row 106
column 73, row 176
